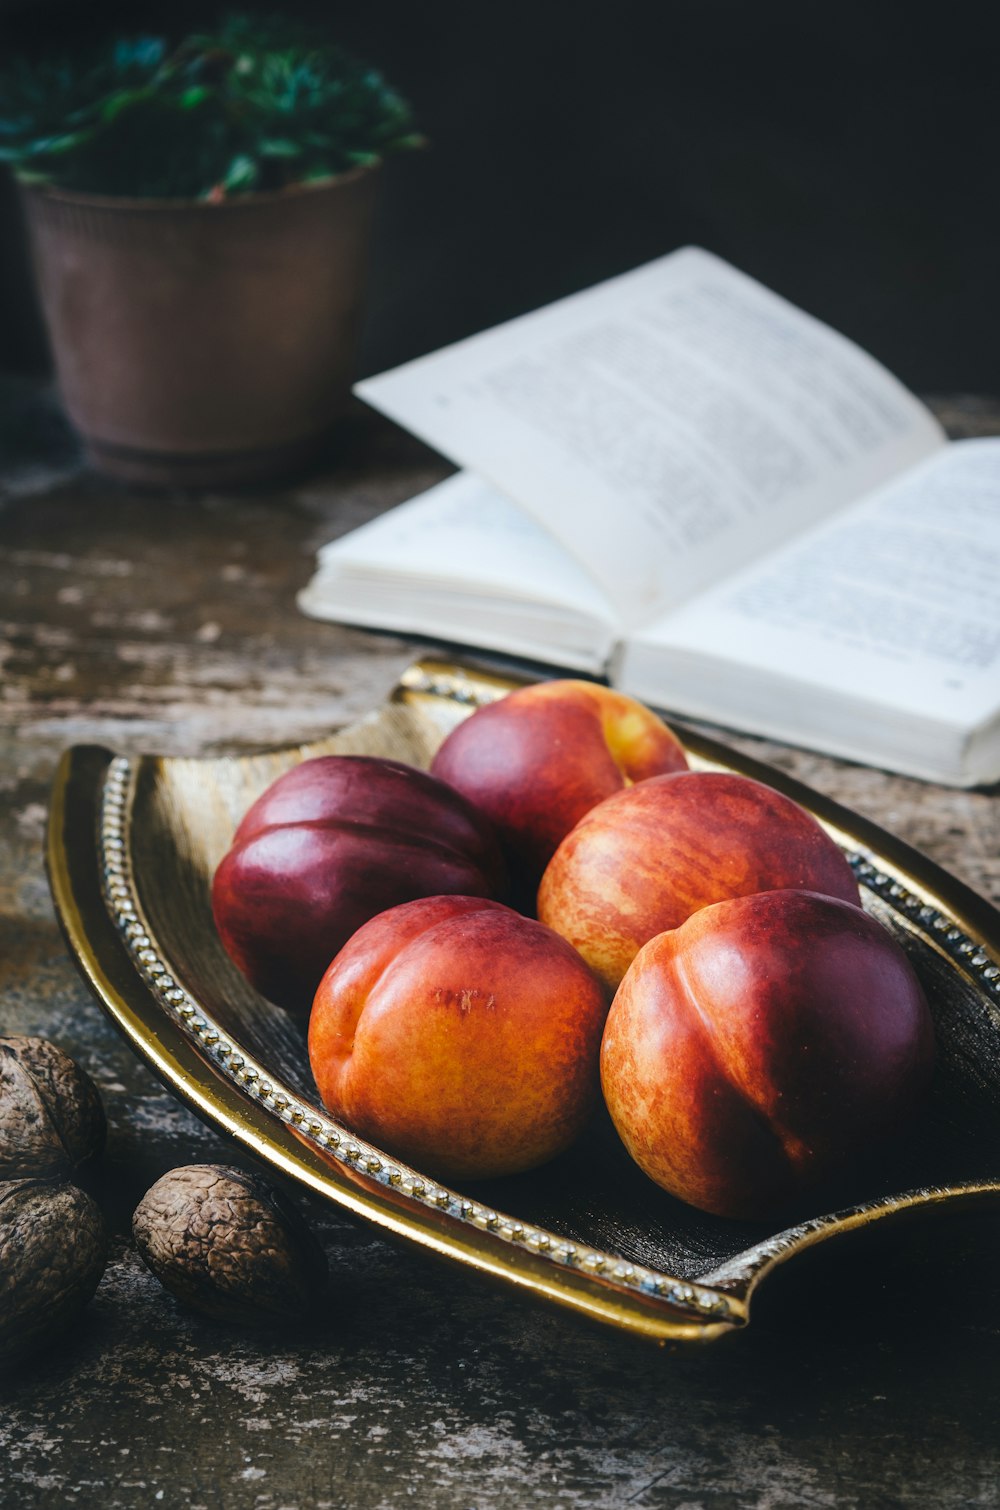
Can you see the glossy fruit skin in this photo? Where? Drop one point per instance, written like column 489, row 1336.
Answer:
column 459, row 1036
column 540, row 758
column 645, row 860
column 331, row 843
column 752, row 1049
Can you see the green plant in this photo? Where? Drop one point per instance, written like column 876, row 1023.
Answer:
column 255, row 105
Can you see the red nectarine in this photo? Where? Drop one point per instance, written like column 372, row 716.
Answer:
column 541, row 757
column 644, row 860
column 750, row 1049
column 331, row 843
column 459, row 1035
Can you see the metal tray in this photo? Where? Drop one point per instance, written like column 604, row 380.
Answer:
column 132, row 848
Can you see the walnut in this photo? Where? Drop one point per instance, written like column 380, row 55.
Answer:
column 226, row 1243
column 51, row 1118
column 53, row 1250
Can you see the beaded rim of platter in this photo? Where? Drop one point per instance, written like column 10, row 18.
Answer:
column 254, row 1080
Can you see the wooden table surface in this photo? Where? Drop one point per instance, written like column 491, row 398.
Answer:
column 870, row 1374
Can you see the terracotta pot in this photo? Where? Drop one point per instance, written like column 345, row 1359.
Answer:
column 204, row 343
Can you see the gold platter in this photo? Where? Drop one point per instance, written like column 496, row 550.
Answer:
column 131, row 850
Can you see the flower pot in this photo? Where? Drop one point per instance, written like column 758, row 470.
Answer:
column 204, row 344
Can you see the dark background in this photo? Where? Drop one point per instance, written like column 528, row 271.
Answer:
column 844, row 154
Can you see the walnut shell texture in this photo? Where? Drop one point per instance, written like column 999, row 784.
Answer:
column 51, row 1118
column 226, row 1243
column 53, row 1249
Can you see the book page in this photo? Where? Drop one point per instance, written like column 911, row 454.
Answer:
column 667, row 426
column 462, row 562
column 896, row 601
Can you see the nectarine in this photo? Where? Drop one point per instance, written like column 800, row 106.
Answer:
column 460, row 1036
column 331, row 843
column 750, row 1049
column 644, row 860
column 542, row 756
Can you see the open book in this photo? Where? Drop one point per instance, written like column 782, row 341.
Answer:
column 680, row 481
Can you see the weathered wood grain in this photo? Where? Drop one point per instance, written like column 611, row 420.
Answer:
column 168, row 623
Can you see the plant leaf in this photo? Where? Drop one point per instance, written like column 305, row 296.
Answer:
column 255, row 103
column 279, row 147
column 241, row 175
